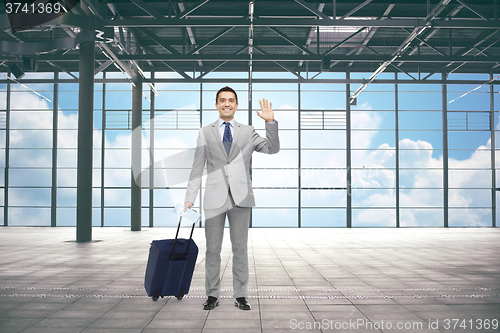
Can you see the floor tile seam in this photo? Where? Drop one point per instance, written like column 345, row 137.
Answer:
column 156, row 314
column 303, row 299
column 256, row 283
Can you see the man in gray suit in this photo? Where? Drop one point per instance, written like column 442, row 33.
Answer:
column 226, row 148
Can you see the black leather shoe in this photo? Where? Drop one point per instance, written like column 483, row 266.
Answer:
column 211, row 303
column 242, row 303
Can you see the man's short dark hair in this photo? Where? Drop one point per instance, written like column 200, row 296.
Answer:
column 226, row 88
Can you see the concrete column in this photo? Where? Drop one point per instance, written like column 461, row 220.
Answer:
column 136, row 197
column 85, row 132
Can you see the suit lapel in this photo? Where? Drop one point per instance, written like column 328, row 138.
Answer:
column 215, row 131
column 237, row 128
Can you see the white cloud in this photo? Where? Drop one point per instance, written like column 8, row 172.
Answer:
column 378, row 173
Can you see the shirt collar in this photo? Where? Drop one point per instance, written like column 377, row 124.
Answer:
column 220, row 122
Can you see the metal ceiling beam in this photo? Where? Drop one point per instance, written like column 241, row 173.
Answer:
column 148, row 9
column 400, row 50
column 288, row 69
column 297, row 22
column 168, row 64
column 392, row 65
column 222, row 63
column 102, row 67
column 159, row 41
column 310, row 36
column 313, row 10
column 291, row 57
column 189, row 31
column 372, row 31
column 63, row 69
column 356, row 9
column 214, row 38
column 123, row 66
column 423, row 41
column 344, row 41
column 472, row 10
column 288, row 39
column 483, row 37
column 189, row 11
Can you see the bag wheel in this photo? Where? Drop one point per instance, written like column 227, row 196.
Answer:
column 181, row 294
column 156, row 295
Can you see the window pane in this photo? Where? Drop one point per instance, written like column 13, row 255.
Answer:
column 29, row 197
column 163, row 217
column 30, row 158
column 469, row 179
column 117, row 158
column 420, row 100
column 274, row 178
column 469, row 217
column 30, row 139
column 420, row 158
column 117, row 177
column 374, row 120
column 469, row 159
column 117, row 217
column 373, row 158
column 271, row 218
column 66, row 197
column 29, row 216
column 421, row 140
column 66, row 217
column 420, row 120
column 67, row 158
column 324, row 198
column 421, row 217
column 66, row 177
column 169, row 197
column 373, row 139
column 322, row 100
column 467, row 139
column 323, row 158
column 117, row 197
column 416, row 198
column 319, row 217
column 373, row 217
column 284, row 159
column 280, row 99
column 30, row 177
column 323, row 139
column 276, row 198
column 373, row 197
column 376, row 100
column 31, row 120
column 373, row 178
column 323, row 178
column 469, row 198
column 423, row 178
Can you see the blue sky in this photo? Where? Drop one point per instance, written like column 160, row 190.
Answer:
column 323, row 155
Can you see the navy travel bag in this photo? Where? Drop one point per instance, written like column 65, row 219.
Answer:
column 170, row 266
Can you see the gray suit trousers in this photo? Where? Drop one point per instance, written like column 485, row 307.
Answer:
column 239, row 219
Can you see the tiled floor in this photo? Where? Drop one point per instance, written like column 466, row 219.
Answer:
column 312, row 280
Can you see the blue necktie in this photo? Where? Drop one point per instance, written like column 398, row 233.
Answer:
column 227, row 139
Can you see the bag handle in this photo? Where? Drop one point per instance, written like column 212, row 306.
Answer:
column 181, row 256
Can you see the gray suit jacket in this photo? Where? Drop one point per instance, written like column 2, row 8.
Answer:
column 228, row 172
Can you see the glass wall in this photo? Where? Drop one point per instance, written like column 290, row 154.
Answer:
column 420, row 129
column 404, row 154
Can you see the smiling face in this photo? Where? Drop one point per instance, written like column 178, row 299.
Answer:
column 227, row 105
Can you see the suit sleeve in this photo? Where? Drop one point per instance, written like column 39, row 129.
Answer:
column 271, row 143
column 199, row 162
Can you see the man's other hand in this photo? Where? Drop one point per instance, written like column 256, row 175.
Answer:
column 267, row 110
